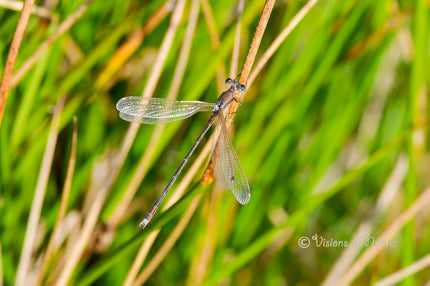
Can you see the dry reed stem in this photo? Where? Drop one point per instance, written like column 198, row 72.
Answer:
column 136, row 180
column 140, row 257
column 81, row 241
column 70, row 231
column 205, row 250
column 170, row 242
column 210, row 21
column 79, row 245
column 200, row 264
column 184, row 54
column 154, row 76
column 114, row 168
column 420, row 203
column 215, row 40
column 252, row 53
column 405, row 272
column 39, row 194
column 164, row 49
column 375, row 38
column 13, row 53
column 270, row 51
column 63, row 206
column 41, row 12
column 124, row 52
column 64, row 27
column 386, row 196
column 145, row 160
column 256, row 40
column 280, row 39
column 180, row 190
column 208, row 174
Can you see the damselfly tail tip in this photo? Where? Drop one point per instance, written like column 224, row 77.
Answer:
column 143, row 223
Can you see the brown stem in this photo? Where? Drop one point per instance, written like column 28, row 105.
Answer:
column 252, row 53
column 64, row 27
column 47, row 258
column 126, row 50
column 13, row 53
column 280, row 39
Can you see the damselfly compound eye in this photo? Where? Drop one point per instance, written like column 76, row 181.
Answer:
column 242, row 88
column 228, row 81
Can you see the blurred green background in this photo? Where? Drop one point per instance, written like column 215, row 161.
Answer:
column 332, row 135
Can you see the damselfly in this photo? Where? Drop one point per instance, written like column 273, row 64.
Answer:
column 228, row 171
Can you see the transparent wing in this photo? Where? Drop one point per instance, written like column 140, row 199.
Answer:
column 158, row 110
column 227, row 168
column 220, row 178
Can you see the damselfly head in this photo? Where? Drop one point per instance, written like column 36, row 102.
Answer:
column 237, row 86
